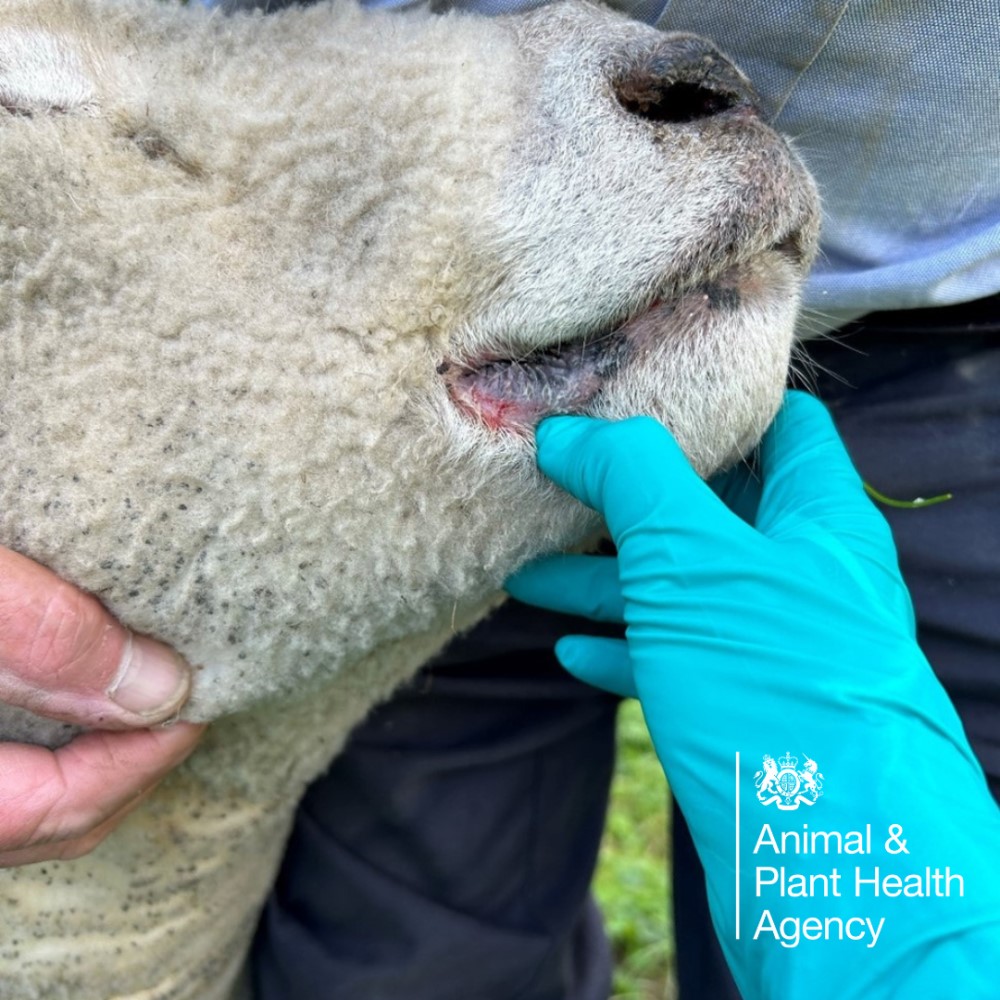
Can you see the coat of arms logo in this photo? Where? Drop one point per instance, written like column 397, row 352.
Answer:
column 783, row 784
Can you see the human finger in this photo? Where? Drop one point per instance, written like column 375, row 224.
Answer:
column 75, row 847
column 48, row 796
column 63, row 656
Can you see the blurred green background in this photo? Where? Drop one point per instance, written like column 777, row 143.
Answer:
column 631, row 883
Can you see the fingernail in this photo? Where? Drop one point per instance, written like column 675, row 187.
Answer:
column 151, row 681
column 170, row 722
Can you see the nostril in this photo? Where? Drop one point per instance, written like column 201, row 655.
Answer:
column 792, row 248
column 683, row 79
column 675, row 103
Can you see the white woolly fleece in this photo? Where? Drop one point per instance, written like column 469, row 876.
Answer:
column 234, row 253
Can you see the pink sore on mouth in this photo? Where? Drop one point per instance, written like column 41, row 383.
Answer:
column 512, row 397
column 497, row 413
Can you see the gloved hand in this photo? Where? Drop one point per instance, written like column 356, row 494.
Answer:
column 789, row 636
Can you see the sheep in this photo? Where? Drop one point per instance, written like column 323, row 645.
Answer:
column 281, row 301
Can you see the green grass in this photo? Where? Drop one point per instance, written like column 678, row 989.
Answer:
column 631, row 882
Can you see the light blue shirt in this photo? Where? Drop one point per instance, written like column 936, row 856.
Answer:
column 895, row 106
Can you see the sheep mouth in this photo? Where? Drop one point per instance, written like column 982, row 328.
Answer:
column 513, row 393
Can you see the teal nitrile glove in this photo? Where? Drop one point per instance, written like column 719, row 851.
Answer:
column 793, row 637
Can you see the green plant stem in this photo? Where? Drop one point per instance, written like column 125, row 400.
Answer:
column 906, row 504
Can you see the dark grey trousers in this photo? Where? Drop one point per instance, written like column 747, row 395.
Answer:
column 447, row 855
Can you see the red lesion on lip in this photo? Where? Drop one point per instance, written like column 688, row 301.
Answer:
column 514, row 394
column 505, row 409
column 496, row 413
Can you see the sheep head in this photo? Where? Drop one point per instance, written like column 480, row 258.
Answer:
column 282, row 299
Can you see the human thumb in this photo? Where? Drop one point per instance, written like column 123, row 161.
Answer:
column 63, row 656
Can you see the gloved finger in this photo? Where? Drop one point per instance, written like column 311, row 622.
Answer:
column 62, row 655
column 809, row 481
column 48, row 796
column 572, row 584
column 602, row 663
column 634, row 473
column 739, row 488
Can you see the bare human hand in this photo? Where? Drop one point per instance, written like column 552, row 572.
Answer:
column 63, row 656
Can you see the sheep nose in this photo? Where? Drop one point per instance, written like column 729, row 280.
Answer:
column 684, row 79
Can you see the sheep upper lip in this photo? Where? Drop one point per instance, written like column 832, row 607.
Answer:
column 573, row 352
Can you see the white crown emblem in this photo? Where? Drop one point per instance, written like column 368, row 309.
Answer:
column 782, row 785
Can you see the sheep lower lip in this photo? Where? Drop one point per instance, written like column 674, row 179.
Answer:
column 514, row 394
